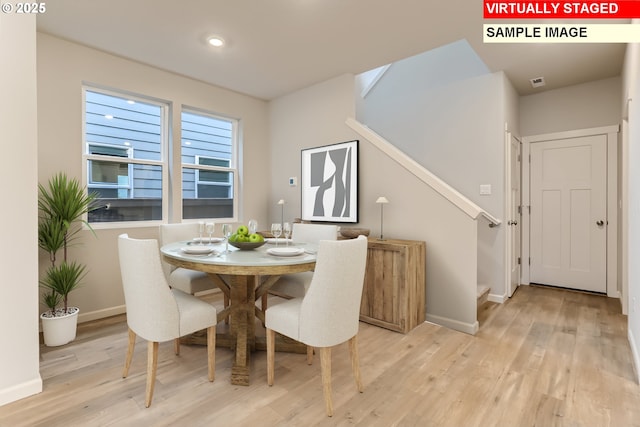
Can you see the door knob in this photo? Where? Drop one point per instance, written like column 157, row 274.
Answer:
column 600, row 223
column 512, row 222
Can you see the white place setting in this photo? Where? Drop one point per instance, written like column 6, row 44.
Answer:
column 286, row 251
column 197, row 249
column 207, row 240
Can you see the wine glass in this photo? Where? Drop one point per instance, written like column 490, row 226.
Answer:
column 276, row 230
column 286, row 230
column 209, row 227
column 226, row 231
column 253, row 226
column 200, row 231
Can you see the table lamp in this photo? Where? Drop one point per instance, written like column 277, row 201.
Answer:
column 381, row 201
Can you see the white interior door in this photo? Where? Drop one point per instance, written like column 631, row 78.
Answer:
column 568, row 213
column 514, row 223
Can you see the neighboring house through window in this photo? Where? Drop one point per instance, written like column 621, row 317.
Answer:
column 125, row 145
column 209, row 174
column 110, row 179
column 126, row 160
column 211, row 183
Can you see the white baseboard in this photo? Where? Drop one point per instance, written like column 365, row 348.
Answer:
column 100, row 314
column 634, row 354
column 500, row 299
column 467, row 328
column 20, row 391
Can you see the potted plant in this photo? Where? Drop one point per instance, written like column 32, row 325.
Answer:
column 62, row 205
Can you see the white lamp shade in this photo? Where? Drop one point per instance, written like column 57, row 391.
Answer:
column 382, row 199
column 281, row 202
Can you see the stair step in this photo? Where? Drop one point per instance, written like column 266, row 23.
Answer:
column 483, row 293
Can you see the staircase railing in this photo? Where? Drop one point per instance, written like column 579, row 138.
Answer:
column 420, row 172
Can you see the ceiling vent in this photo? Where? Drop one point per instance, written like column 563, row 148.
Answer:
column 537, row 82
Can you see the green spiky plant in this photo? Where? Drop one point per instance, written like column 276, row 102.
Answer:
column 51, row 300
column 62, row 204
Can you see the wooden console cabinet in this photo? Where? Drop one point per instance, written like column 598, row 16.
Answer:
column 394, row 290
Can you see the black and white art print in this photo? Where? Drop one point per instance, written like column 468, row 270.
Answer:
column 330, row 183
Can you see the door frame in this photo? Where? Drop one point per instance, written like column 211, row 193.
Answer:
column 611, row 132
column 508, row 205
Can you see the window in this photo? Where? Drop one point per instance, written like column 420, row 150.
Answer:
column 125, row 138
column 126, row 148
column 209, row 174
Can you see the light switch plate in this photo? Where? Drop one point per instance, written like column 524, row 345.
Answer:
column 293, row 181
column 485, row 189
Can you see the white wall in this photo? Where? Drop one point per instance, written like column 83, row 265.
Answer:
column 316, row 116
column 19, row 357
column 446, row 111
column 582, row 106
column 308, row 118
column 62, row 68
column 631, row 89
column 511, row 107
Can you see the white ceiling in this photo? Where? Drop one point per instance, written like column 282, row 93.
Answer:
column 275, row 47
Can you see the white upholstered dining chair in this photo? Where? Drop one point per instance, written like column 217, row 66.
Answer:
column 157, row 313
column 295, row 285
column 328, row 314
column 189, row 281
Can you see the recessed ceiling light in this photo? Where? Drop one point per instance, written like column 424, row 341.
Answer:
column 216, row 41
column 108, row 116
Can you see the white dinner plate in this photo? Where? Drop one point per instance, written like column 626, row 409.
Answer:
column 207, row 240
column 279, row 241
column 197, row 249
column 285, row 251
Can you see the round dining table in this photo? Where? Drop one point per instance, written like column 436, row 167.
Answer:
column 244, row 276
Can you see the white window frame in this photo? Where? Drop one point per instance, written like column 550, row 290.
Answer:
column 162, row 163
column 233, row 161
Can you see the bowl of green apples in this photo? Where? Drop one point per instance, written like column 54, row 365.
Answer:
column 242, row 240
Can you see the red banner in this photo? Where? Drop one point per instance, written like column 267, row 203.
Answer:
column 623, row 9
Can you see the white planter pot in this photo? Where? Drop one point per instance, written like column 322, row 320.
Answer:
column 61, row 329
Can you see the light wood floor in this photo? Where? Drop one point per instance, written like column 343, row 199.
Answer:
column 546, row 357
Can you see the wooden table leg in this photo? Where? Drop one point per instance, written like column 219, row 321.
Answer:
column 242, row 326
column 242, row 334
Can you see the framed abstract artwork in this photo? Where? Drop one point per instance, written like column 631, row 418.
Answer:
column 330, row 183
